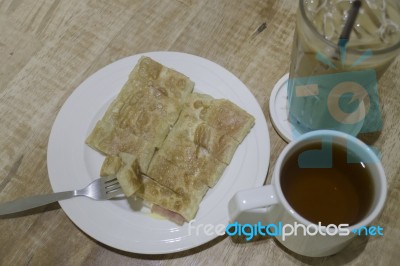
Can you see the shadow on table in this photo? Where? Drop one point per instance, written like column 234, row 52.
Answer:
column 49, row 207
column 352, row 251
column 168, row 256
column 348, row 254
column 369, row 138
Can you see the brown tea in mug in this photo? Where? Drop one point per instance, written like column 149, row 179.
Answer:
column 340, row 194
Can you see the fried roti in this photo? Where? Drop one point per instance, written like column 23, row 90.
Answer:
column 138, row 120
column 166, row 144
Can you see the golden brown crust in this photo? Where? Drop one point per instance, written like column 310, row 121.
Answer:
column 112, row 140
column 129, row 176
column 229, row 118
column 182, row 140
column 125, row 167
column 182, row 180
column 184, row 205
column 138, row 120
column 111, row 166
column 212, row 141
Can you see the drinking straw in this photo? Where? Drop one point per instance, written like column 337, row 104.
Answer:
column 346, row 31
column 348, row 26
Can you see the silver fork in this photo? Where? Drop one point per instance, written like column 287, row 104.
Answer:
column 100, row 189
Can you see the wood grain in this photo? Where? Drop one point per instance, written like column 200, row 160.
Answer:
column 48, row 47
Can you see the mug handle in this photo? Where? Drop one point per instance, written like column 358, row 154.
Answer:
column 250, row 199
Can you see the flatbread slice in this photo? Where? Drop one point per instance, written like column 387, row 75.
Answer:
column 126, row 168
column 141, row 122
column 229, row 118
column 182, row 180
column 184, row 205
column 194, row 160
column 140, row 117
column 221, row 114
column 150, row 100
column 110, row 140
column 189, row 128
column 149, row 73
column 197, row 104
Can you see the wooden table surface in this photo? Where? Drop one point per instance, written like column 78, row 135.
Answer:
column 48, row 47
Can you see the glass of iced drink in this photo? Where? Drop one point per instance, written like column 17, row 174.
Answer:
column 334, row 84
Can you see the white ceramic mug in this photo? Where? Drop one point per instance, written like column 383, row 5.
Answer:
column 248, row 206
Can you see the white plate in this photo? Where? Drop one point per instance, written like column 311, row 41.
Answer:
column 72, row 164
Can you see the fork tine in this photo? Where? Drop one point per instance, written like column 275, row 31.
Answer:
column 112, row 188
column 111, row 182
column 106, row 179
column 113, row 193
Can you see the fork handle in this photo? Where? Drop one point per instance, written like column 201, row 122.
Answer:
column 33, row 202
